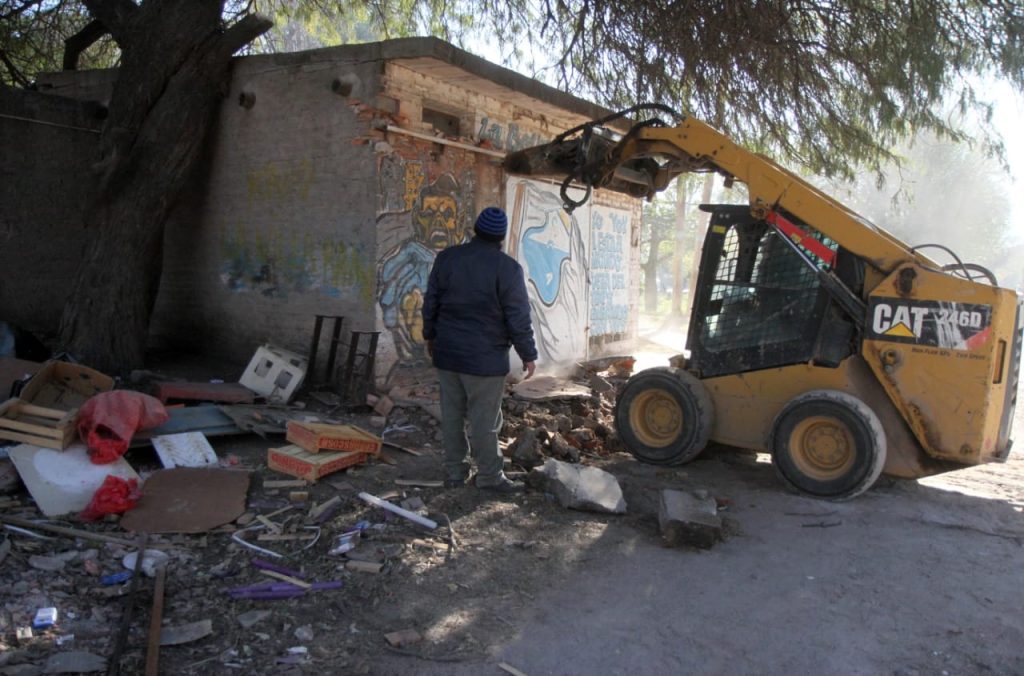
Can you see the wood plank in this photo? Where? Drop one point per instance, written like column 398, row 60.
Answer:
column 44, row 412
column 57, row 444
column 364, row 566
column 274, row 527
column 281, row 537
column 420, row 483
column 286, row 578
column 284, row 483
column 11, row 424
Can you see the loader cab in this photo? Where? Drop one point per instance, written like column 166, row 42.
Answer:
column 758, row 304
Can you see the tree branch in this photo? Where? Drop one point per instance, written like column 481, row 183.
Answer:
column 115, row 15
column 247, row 29
column 14, row 71
column 81, row 41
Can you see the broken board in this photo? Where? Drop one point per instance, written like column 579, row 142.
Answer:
column 188, row 449
column 62, row 482
column 545, row 388
column 188, row 500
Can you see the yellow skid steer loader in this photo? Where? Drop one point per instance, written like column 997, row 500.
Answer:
column 814, row 335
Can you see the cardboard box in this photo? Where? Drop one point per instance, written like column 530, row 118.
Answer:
column 64, row 387
column 45, row 412
column 302, row 464
column 317, row 437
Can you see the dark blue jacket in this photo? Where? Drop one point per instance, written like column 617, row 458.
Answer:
column 476, row 308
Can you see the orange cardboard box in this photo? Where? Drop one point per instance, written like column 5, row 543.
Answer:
column 317, row 437
column 302, row 464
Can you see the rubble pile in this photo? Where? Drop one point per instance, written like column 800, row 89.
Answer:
column 265, row 533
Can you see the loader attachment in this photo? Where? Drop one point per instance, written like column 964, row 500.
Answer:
column 596, row 156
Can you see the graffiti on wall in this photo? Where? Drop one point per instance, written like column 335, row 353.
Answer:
column 551, row 245
column 277, row 264
column 437, row 217
column 507, row 136
column 274, row 261
column 609, row 270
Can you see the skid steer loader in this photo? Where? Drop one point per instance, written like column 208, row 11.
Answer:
column 814, row 335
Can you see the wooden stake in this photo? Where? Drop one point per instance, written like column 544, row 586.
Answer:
column 70, row 532
column 155, row 622
column 114, row 665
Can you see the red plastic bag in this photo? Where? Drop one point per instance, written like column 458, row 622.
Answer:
column 108, row 420
column 115, row 496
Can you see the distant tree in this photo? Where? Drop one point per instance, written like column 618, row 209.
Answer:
column 657, row 244
column 945, row 193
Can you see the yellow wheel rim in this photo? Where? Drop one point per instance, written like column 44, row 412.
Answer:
column 822, row 448
column 656, row 418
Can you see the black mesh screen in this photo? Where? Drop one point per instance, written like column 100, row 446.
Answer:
column 759, row 304
column 766, row 301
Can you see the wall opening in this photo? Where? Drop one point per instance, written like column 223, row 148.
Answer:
column 443, row 122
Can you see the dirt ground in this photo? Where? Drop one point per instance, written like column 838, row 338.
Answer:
column 911, row 578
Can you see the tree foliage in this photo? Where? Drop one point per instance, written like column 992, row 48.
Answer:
column 828, row 85
column 942, row 193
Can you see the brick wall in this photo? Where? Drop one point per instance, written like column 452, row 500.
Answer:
column 282, row 225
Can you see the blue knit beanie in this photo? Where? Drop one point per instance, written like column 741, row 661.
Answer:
column 492, row 221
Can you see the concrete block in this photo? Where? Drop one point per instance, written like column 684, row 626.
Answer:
column 688, row 520
column 275, row 373
column 525, row 450
column 578, row 487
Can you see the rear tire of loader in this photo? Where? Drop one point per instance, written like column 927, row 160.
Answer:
column 828, row 444
column 664, row 416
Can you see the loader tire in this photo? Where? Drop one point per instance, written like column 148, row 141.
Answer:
column 828, row 444
column 664, row 416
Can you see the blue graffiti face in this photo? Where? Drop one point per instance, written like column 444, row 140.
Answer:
column 545, row 248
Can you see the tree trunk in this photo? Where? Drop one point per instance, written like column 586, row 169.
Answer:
column 677, row 257
column 651, row 271
column 699, row 231
column 175, row 67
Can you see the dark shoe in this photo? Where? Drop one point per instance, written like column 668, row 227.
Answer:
column 504, row 486
column 454, row 483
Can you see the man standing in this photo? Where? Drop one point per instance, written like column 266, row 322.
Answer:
column 476, row 307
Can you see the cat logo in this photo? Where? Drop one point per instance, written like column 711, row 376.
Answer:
column 955, row 326
column 901, row 321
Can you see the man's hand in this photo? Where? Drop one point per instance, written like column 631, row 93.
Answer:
column 529, row 367
column 430, row 348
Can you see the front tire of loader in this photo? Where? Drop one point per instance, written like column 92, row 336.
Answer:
column 664, row 416
column 828, row 444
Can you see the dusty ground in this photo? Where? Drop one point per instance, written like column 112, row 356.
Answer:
column 913, row 577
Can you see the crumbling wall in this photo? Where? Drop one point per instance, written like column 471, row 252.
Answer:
column 430, row 192
column 48, row 144
column 282, row 226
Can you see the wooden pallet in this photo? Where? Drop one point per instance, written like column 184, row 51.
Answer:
column 21, row 421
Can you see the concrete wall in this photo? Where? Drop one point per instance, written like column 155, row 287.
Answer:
column 282, row 226
column 48, row 144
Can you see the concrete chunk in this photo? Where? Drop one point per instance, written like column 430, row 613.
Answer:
column 688, row 520
column 577, row 487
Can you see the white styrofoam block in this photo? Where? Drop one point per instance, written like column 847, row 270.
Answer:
column 275, row 373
